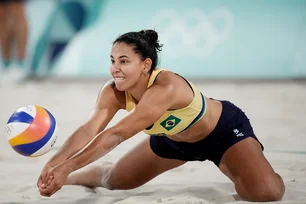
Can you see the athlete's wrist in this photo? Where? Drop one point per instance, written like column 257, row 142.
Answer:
column 69, row 166
column 53, row 162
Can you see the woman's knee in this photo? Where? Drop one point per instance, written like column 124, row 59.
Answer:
column 116, row 180
column 269, row 194
column 112, row 182
column 105, row 170
column 269, row 189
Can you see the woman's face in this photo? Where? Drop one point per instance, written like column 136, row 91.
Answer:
column 126, row 66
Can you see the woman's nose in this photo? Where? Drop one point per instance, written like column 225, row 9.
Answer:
column 115, row 68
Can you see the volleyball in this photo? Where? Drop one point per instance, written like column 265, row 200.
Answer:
column 31, row 131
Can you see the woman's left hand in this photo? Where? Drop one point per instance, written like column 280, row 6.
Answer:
column 56, row 179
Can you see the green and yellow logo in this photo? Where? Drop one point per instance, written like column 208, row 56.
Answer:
column 170, row 122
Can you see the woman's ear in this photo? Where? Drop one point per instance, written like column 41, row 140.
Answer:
column 147, row 65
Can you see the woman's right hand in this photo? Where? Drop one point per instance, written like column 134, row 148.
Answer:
column 43, row 180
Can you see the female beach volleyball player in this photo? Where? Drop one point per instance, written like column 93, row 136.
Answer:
column 183, row 124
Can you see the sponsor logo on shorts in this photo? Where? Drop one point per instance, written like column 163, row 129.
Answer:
column 238, row 134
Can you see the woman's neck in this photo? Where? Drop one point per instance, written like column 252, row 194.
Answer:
column 139, row 88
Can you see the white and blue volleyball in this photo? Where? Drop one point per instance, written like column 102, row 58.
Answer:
column 31, row 131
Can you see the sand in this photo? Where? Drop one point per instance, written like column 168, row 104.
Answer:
column 277, row 111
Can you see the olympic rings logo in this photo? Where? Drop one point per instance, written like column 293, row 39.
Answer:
column 193, row 32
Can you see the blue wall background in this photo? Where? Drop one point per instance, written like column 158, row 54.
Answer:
column 202, row 38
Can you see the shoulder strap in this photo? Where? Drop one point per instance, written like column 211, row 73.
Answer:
column 154, row 75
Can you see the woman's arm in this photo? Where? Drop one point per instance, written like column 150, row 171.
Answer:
column 155, row 101
column 105, row 108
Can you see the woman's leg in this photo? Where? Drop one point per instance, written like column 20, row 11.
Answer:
column 5, row 33
column 136, row 168
column 20, row 29
column 254, row 178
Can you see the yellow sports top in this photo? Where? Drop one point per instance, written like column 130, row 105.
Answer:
column 173, row 121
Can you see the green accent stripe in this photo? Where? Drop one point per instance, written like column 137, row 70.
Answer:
column 199, row 115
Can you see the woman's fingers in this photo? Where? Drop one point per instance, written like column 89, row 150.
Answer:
column 44, row 176
column 39, row 181
column 50, row 179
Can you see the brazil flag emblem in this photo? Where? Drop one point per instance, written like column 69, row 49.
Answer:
column 170, row 122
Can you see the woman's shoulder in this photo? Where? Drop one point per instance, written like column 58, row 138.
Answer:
column 165, row 77
column 110, row 92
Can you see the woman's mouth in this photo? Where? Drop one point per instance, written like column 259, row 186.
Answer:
column 119, row 78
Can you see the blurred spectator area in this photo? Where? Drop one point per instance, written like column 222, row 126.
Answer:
column 53, row 24
column 205, row 39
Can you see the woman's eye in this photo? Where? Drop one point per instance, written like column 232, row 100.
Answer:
column 112, row 61
column 123, row 61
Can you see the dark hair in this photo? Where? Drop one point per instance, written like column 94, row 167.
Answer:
column 145, row 43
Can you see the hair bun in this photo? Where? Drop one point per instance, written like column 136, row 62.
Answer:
column 153, row 37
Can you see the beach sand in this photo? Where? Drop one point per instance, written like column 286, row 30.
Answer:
column 277, row 112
